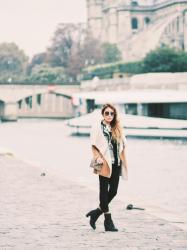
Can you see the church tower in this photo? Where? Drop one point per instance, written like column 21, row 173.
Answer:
column 94, row 17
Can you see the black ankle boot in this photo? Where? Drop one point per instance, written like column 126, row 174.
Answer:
column 108, row 223
column 94, row 215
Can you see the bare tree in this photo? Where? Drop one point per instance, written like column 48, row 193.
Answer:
column 73, row 48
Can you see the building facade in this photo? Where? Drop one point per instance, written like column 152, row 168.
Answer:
column 138, row 26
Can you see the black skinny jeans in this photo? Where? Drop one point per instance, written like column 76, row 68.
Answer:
column 108, row 188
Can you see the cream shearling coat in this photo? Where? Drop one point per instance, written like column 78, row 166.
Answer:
column 100, row 149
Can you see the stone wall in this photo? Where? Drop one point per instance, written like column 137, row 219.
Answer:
column 113, row 23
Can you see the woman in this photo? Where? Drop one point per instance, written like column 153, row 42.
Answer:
column 108, row 147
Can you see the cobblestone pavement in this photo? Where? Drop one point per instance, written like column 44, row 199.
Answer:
column 44, row 211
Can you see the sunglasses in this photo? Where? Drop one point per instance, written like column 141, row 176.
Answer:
column 107, row 113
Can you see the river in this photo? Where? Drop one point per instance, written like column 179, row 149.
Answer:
column 157, row 167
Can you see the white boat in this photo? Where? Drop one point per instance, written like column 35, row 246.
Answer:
column 134, row 125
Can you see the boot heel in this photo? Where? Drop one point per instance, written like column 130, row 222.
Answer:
column 94, row 215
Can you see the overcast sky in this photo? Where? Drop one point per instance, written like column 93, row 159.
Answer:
column 31, row 23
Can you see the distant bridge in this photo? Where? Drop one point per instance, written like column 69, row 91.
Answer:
column 36, row 101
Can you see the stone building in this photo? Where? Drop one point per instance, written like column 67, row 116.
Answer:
column 138, row 26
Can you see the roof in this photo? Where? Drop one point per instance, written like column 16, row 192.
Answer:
column 135, row 96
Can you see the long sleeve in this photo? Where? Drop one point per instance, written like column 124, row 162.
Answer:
column 124, row 140
column 93, row 137
column 95, row 152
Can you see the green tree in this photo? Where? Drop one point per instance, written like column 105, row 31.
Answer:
column 181, row 62
column 111, row 53
column 165, row 59
column 44, row 74
column 37, row 59
column 13, row 62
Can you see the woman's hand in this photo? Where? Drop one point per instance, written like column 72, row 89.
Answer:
column 99, row 160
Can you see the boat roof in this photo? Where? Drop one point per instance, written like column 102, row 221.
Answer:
column 134, row 96
column 128, row 121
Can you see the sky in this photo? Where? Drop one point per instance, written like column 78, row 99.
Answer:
column 31, row 23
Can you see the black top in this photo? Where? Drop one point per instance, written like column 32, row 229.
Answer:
column 115, row 152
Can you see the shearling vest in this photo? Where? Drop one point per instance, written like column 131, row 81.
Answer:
column 100, row 149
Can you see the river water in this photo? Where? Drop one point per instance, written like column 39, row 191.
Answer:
column 157, row 168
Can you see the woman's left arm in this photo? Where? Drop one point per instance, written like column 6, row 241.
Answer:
column 125, row 157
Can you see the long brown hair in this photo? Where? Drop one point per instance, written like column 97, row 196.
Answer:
column 116, row 128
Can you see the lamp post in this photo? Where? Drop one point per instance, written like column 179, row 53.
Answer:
column 11, row 85
column 9, row 80
column 95, row 82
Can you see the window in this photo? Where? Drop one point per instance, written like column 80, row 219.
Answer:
column 134, row 3
column 147, row 20
column 134, row 23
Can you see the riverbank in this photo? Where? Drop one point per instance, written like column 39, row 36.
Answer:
column 39, row 210
column 157, row 168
